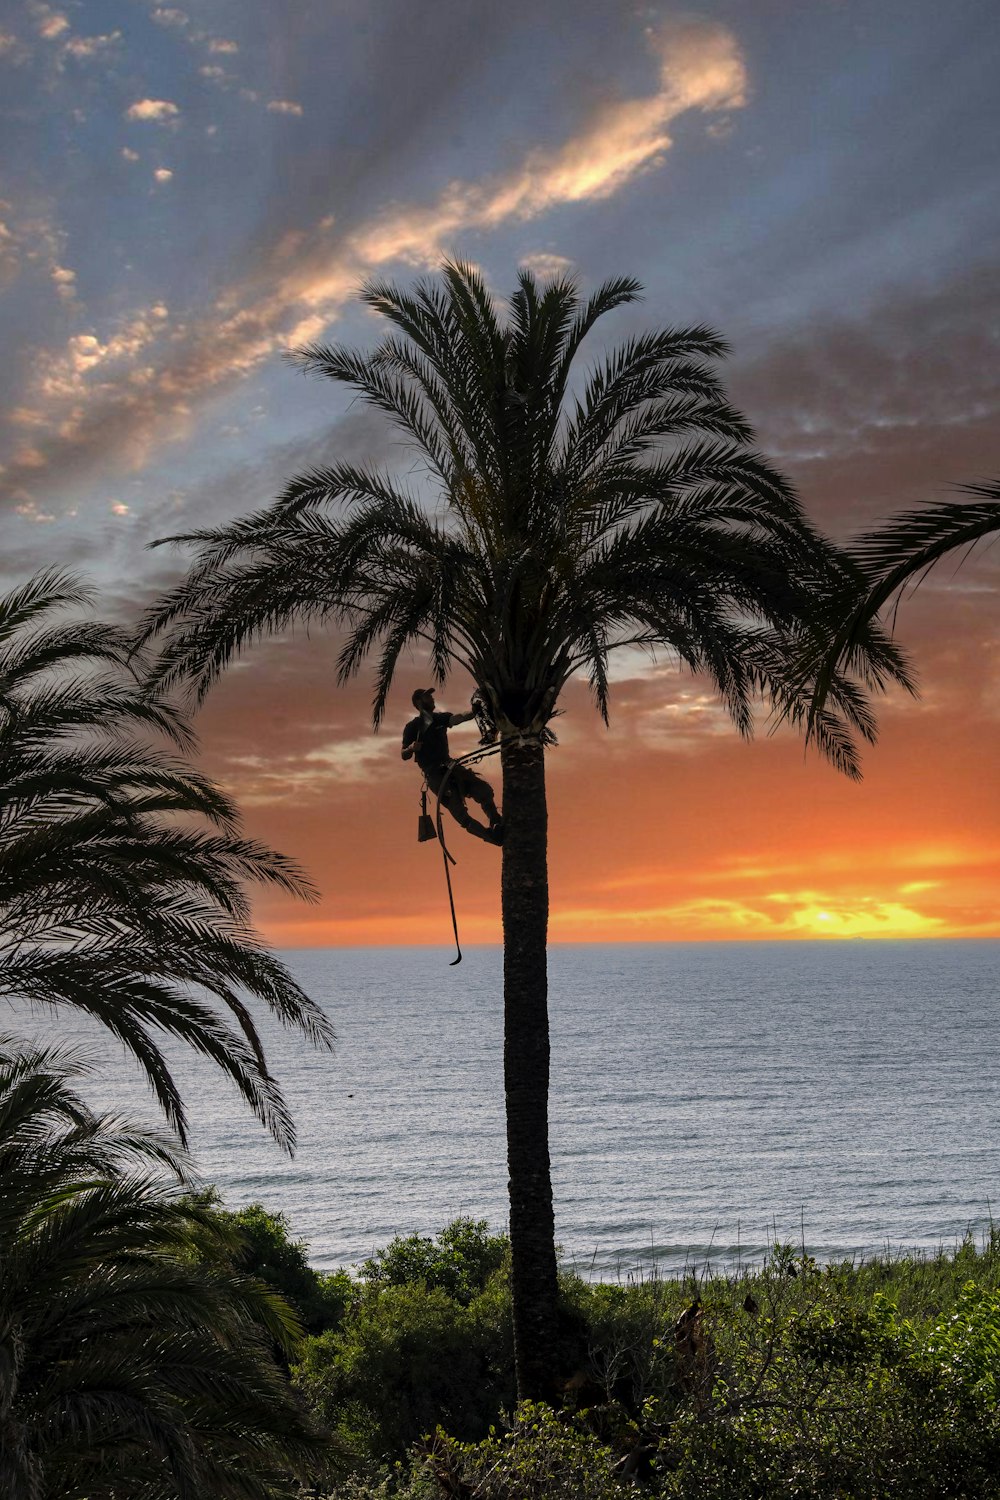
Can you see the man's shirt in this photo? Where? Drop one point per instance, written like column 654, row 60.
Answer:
column 432, row 732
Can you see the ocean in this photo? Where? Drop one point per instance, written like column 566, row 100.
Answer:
column 706, row 1099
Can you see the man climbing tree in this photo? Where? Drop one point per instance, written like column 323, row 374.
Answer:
column 425, row 740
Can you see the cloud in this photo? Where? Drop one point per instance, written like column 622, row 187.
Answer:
column 65, row 281
column 284, row 107
column 168, row 15
column 547, row 266
column 163, row 174
column 274, row 780
column 293, row 297
column 219, row 44
column 158, row 110
column 86, row 47
column 870, row 414
column 129, row 155
column 801, row 914
column 53, row 24
column 701, row 68
column 29, row 241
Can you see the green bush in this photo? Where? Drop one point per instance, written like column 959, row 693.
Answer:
column 625, row 1352
column 281, row 1261
column 876, row 1381
column 823, row 1394
column 460, row 1261
column 541, row 1457
column 406, row 1359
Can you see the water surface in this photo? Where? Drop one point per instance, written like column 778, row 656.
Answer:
column 705, row 1096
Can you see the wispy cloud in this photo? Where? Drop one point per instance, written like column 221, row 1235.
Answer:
column 136, row 382
column 275, row 780
column 65, row 282
column 52, row 24
column 169, row 15
column 546, row 265
column 798, row 914
column 83, row 48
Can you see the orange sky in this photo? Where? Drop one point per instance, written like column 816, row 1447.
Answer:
column 665, row 827
column 184, row 201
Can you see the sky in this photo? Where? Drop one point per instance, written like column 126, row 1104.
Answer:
column 186, row 192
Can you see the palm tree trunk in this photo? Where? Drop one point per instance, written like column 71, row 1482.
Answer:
column 525, row 892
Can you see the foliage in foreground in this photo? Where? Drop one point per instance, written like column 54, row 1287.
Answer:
column 135, row 1364
column 122, row 869
column 873, row 1380
column 426, row 1339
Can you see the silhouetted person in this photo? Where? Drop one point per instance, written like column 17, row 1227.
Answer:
column 425, row 739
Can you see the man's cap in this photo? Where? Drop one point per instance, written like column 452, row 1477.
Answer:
column 419, row 694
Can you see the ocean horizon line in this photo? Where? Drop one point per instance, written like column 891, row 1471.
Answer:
column 817, row 940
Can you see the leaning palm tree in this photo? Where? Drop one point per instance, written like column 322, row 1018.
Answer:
column 565, row 515
column 122, row 869
column 899, row 553
column 135, row 1364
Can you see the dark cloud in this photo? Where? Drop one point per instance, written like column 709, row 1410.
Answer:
column 871, row 415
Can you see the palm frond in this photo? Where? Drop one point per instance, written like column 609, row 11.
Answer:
column 135, row 1359
column 123, row 872
column 886, row 560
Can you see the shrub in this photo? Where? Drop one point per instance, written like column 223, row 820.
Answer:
column 406, row 1359
column 279, row 1260
column 541, row 1457
column 460, row 1261
column 825, row 1394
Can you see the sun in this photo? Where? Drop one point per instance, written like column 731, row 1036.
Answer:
column 862, row 917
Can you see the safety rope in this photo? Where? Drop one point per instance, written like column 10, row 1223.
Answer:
column 480, row 753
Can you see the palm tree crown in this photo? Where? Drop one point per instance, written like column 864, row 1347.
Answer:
column 561, row 526
column 122, row 868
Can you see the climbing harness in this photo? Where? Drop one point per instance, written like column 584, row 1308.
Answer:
column 491, row 742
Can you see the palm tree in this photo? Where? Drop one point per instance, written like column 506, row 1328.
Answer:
column 555, row 526
column 135, row 1364
column 897, row 553
column 122, row 868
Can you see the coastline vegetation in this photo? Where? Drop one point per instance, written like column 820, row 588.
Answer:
column 138, row 1359
column 875, row 1378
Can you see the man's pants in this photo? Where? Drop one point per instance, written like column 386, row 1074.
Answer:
column 464, row 784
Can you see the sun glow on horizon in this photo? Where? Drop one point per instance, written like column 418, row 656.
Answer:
column 708, row 921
